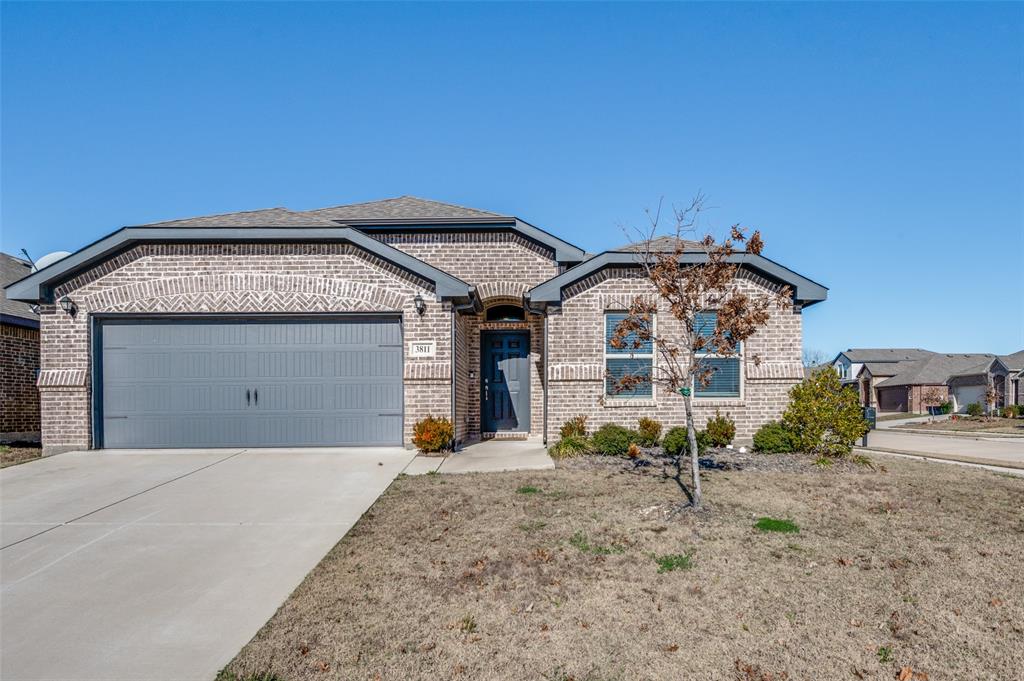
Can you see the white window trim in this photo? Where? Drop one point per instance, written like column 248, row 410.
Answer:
column 632, row 355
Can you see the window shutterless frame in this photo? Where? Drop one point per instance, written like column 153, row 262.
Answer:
column 638, row 356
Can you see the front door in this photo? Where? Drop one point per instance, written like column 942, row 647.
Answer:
column 505, row 381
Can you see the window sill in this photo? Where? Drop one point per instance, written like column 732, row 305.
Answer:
column 718, row 402
column 619, row 402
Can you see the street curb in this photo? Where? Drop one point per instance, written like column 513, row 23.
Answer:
column 981, row 461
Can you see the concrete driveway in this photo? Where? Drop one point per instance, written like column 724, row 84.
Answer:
column 163, row 564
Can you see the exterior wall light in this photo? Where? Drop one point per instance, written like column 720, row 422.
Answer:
column 421, row 305
column 68, row 306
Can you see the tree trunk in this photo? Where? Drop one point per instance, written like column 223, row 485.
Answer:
column 691, row 436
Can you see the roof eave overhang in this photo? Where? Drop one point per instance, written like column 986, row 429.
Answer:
column 550, row 292
column 39, row 286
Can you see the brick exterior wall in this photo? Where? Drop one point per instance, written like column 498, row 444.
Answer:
column 503, row 266
column 234, row 278
column 331, row 278
column 19, row 398
column 576, row 361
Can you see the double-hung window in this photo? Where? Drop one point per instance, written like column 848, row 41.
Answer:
column 631, row 359
column 726, row 372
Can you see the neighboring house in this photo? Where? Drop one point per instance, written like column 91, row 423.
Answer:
column 849, row 363
column 904, row 386
column 345, row 325
column 1015, row 379
column 19, row 359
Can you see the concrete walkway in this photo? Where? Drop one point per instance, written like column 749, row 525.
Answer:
column 1008, row 452
column 161, row 565
column 488, row 456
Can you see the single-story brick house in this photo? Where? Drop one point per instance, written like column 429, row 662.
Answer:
column 960, row 378
column 345, row 325
column 19, row 359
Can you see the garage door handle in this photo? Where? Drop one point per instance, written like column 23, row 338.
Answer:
column 256, row 397
column 247, row 396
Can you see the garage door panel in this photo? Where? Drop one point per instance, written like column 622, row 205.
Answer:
column 184, row 383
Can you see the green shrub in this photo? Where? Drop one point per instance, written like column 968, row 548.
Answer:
column 775, row 438
column 528, row 489
column 974, row 409
column 432, row 434
column 946, row 407
column 571, row 445
column 676, row 443
column 649, row 430
column 1011, row 411
column 825, row 417
column 574, row 427
column 721, row 430
column 613, row 439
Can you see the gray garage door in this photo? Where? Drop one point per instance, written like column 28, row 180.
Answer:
column 212, row 383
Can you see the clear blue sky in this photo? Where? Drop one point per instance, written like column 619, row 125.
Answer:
column 879, row 148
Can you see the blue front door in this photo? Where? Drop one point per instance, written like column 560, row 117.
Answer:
column 505, row 381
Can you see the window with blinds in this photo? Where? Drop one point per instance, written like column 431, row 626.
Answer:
column 625, row 361
column 726, row 371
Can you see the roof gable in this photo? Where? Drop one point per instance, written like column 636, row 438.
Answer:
column 805, row 291
column 39, row 286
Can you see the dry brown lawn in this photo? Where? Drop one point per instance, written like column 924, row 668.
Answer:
column 909, row 570
column 10, row 456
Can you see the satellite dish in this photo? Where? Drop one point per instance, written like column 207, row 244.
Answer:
column 49, row 259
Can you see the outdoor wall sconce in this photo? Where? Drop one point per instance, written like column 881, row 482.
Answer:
column 421, row 305
column 68, row 306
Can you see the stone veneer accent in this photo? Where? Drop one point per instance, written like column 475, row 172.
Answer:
column 233, row 278
column 19, row 399
column 576, row 361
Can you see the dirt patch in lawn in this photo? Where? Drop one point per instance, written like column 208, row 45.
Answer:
column 972, row 424
column 583, row 573
column 12, row 455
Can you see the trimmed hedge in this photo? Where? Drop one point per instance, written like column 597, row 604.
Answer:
column 721, row 430
column 774, row 438
column 614, row 440
column 676, row 443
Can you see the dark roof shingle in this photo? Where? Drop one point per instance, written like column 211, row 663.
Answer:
column 266, row 217
column 400, row 208
column 11, row 270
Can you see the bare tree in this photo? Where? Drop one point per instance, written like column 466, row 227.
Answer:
column 690, row 278
column 813, row 358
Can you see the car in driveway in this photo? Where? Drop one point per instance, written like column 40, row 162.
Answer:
column 162, row 564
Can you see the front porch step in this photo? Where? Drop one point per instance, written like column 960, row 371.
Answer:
column 504, row 436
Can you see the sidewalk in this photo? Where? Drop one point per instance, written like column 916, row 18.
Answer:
column 487, row 456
